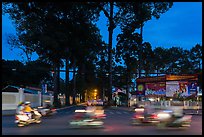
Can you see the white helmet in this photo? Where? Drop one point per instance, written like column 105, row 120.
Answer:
column 27, row 102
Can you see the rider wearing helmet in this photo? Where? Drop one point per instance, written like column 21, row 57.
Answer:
column 28, row 109
column 20, row 108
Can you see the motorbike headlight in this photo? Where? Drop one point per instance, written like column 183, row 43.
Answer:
column 139, row 109
column 163, row 115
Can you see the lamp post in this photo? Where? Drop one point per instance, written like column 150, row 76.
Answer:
column 197, row 104
column 95, row 93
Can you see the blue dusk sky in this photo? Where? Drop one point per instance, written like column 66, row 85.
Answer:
column 181, row 26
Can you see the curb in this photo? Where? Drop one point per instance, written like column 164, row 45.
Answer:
column 8, row 112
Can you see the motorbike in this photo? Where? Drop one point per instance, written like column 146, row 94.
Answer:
column 47, row 111
column 82, row 120
column 168, row 120
column 142, row 118
column 23, row 120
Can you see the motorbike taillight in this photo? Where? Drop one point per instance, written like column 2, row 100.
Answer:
column 137, row 116
column 17, row 118
column 53, row 109
column 154, row 116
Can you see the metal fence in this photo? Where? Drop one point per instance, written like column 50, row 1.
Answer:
column 164, row 104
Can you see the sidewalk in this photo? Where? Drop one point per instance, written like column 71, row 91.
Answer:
column 8, row 112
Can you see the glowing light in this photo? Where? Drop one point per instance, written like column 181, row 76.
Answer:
column 81, row 110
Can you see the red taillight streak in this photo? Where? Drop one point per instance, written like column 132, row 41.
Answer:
column 154, row 116
column 17, row 118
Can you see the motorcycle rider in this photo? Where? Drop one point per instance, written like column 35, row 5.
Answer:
column 177, row 112
column 48, row 107
column 20, row 108
column 28, row 109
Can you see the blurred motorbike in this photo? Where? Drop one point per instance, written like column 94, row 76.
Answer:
column 142, row 118
column 168, row 119
column 47, row 111
column 23, row 120
column 84, row 118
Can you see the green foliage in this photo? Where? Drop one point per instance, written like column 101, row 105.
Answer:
column 16, row 73
column 58, row 31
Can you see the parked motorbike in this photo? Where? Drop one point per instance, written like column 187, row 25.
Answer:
column 167, row 120
column 47, row 111
column 23, row 120
column 142, row 118
column 83, row 120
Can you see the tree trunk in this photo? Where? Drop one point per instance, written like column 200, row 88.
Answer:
column 110, row 29
column 56, row 87
column 127, row 85
column 58, row 83
column 83, row 79
column 140, row 50
column 67, row 94
column 74, row 82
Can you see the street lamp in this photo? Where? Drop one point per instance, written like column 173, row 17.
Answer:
column 95, row 93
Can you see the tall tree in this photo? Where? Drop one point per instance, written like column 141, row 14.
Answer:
column 126, row 50
column 196, row 57
column 55, row 25
column 159, row 60
column 185, row 63
column 147, row 58
column 137, row 13
column 134, row 15
column 30, row 74
column 174, row 55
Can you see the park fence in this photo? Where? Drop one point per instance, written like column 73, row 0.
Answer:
column 10, row 100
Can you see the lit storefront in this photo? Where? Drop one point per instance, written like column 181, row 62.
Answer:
column 167, row 86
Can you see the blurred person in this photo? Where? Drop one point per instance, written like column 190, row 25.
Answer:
column 148, row 110
column 89, row 103
column 136, row 105
column 177, row 112
column 90, row 111
column 20, row 108
column 48, row 105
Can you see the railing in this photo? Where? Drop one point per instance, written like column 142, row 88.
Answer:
column 164, row 104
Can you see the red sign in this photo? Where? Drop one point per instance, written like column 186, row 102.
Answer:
column 156, row 86
column 182, row 86
column 153, row 89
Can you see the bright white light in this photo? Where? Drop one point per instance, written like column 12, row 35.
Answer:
column 80, row 110
column 163, row 116
column 139, row 109
column 89, row 111
column 151, row 99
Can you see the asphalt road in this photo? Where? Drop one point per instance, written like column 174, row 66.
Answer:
column 116, row 123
